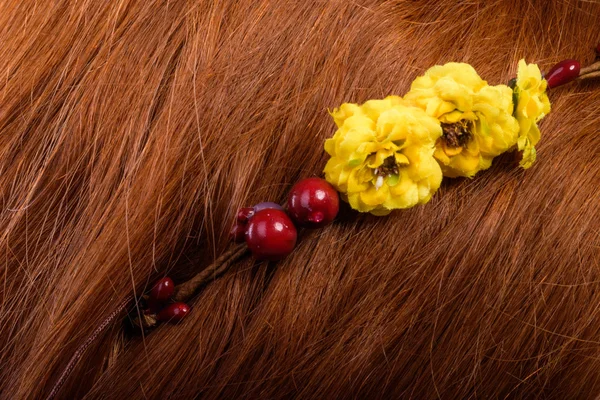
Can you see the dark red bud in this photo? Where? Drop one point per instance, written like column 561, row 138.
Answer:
column 238, row 233
column 163, row 290
column 563, row 72
column 173, row 313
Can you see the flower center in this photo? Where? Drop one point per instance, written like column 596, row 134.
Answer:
column 456, row 134
column 388, row 167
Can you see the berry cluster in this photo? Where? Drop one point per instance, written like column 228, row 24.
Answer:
column 270, row 232
column 157, row 300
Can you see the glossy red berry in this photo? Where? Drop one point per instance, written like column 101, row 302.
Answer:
column 238, row 233
column 244, row 214
column 271, row 235
column 162, row 290
column 563, row 72
column 313, row 203
column 173, row 313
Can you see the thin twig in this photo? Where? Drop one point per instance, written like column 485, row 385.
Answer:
column 590, row 68
column 589, row 75
column 188, row 289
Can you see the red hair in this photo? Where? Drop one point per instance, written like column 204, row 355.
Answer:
column 131, row 131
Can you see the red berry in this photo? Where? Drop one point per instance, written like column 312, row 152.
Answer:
column 563, row 72
column 244, row 214
column 162, row 290
column 238, row 232
column 173, row 313
column 271, row 235
column 313, row 203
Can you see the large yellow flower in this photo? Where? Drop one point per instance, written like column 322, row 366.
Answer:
column 531, row 106
column 476, row 118
column 382, row 155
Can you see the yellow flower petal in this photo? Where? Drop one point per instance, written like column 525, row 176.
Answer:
column 532, row 105
column 462, row 101
column 382, row 155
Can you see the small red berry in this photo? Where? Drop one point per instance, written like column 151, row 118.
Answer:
column 162, row 290
column 271, row 235
column 173, row 313
column 563, row 72
column 244, row 214
column 313, row 203
column 238, row 233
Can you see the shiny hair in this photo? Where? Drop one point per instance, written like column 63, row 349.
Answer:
column 131, row 131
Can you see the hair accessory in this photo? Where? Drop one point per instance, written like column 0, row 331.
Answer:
column 392, row 153
column 386, row 154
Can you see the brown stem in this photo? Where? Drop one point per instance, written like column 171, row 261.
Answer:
column 589, row 75
column 188, row 289
column 590, row 69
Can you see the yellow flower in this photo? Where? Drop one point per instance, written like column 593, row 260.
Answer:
column 531, row 106
column 476, row 118
column 382, row 155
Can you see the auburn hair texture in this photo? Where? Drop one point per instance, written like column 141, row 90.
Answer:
column 131, row 131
